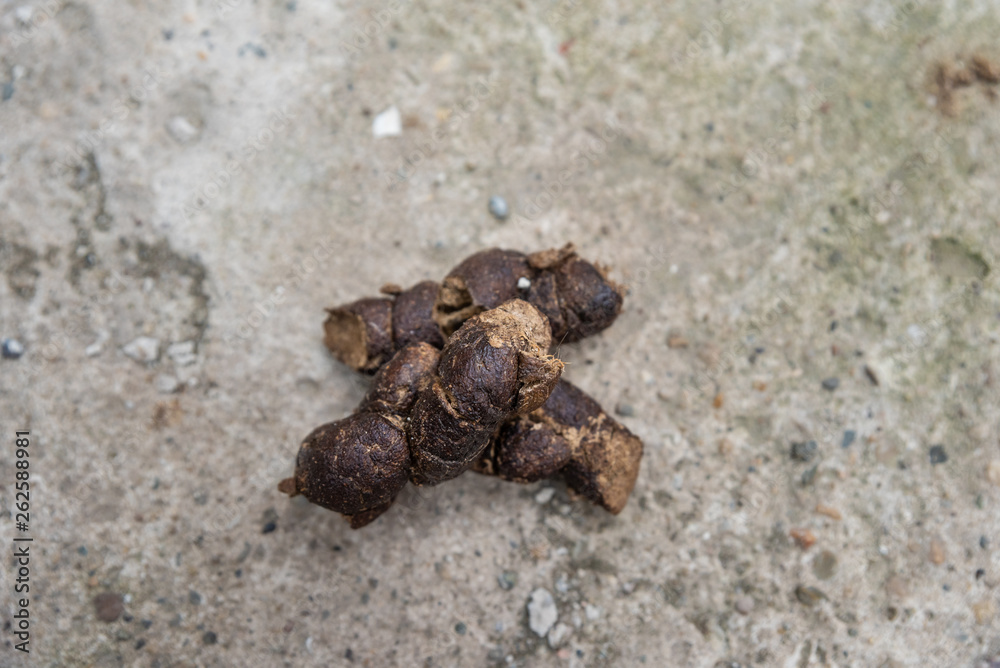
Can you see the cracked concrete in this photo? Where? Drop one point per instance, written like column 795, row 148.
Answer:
column 793, row 193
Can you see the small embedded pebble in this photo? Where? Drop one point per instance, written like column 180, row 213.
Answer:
column 624, row 409
column 389, row 123
column 194, row 597
column 744, row 605
column 166, row 384
column 804, row 538
column 984, row 611
column 559, row 635
column 524, row 283
column 542, row 612
column 142, row 349
column 210, row 638
column 460, row 629
column 182, row 353
column 499, row 208
column 809, row 475
column 804, row 452
column 849, row 437
column 993, row 472
column 938, row 455
column 182, row 130
column 809, row 596
column 897, row 586
column 829, row 511
column 545, row 495
column 830, row 384
column 677, row 342
column 269, row 527
column 12, row 349
column 825, row 565
column 936, row 552
column 507, row 580
column 109, row 606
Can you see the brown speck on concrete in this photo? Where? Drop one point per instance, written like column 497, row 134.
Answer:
column 804, row 538
column 109, row 606
column 985, row 70
column 936, row 551
column 829, row 511
column 677, row 342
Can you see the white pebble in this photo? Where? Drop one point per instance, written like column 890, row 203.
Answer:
column 12, row 349
column 593, row 611
column 498, row 207
column 182, row 353
column 166, row 384
column 559, row 635
column 388, row 123
column 142, row 349
column 545, row 495
column 523, row 283
column 993, row 472
column 542, row 612
column 182, row 130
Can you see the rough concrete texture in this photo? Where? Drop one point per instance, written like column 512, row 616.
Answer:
column 792, row 191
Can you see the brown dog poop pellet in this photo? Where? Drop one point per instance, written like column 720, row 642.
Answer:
column 366, row 333
column 575, row 295
column 357, row 466
column 464, row 380
column 429, row 415
column 494, row 368
column 573, row 436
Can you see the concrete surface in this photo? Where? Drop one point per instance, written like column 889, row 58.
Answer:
column 793, row 191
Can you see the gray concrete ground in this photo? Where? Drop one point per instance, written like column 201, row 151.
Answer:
column 794, row 192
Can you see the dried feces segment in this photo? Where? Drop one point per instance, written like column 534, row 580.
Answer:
column 571, row 434
column 358, row 465
column 575, row 295
column 495, row 367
